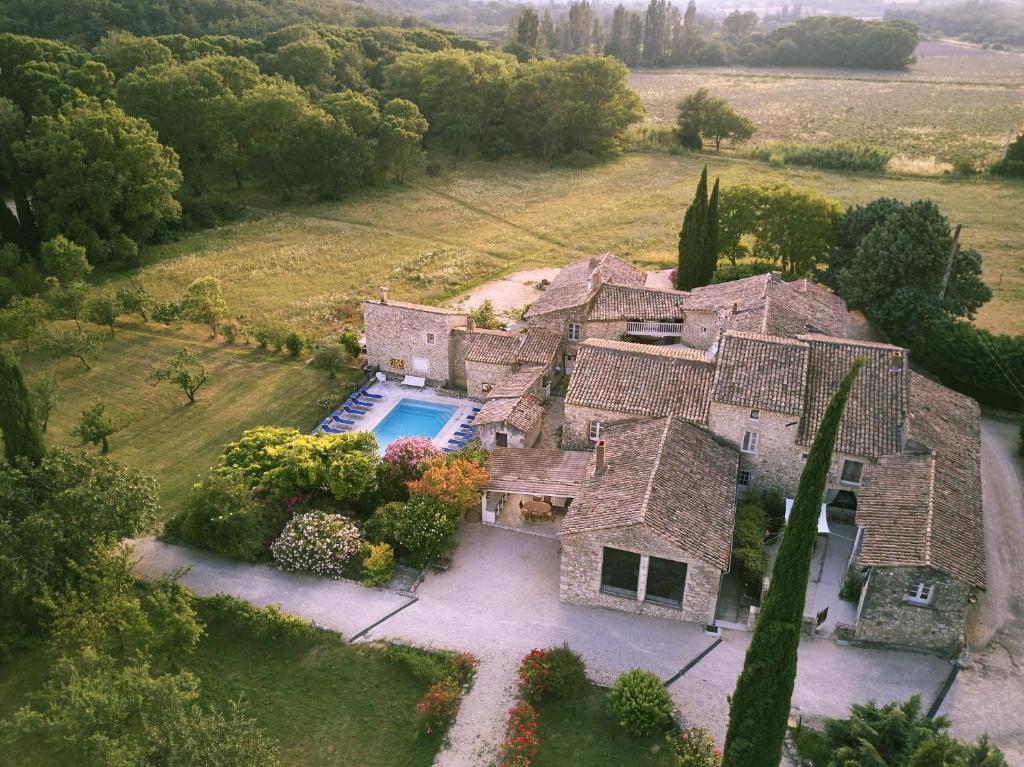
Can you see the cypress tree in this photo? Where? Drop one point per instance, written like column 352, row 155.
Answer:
column 20, row 429
column 761, row 702
column 711, row 243
column 692, row 238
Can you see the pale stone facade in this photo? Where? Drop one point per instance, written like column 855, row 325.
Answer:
column 580, row 580
column 487, row 434
column 576, row 426
column 480, row 376
column 887, row 616
column 408, row 339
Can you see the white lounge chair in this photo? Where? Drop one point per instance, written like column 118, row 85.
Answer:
column 381, row 378
column 418, row 381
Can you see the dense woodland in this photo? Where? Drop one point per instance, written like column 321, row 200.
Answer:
column 997, row 23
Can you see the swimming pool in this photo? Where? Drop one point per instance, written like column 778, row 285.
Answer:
column 412, row 418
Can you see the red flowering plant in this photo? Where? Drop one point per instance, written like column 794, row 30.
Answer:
column 437, row 708
column 534, row 671
column 519, row 748
column 463, row 668
column 694, row 748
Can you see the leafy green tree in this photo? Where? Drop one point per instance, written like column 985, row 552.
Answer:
column 308, row 62
column 64, row 259
column 96, row 426
column 103, row 308
column 185, row 371
column 426, row 528
column 203, row 302
column 525, row 28
column 123, row 52
column 331, row 359
column 789, row 227
column 135, row 300
column 22, row 319
column 890, row 260
column 485, row 317
column 223, row 515
column 83, row 502
column 702, row 116
column 359, row 112
column 43, row 392
column 400, row 138
column 22, row 438
column 74, row 342
column 99, row 177
column 349, row 339
column 67, row 301
column 693, row 239
column 759, row 708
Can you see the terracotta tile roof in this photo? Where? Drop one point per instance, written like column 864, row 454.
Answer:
column 524, row 413
column 516, row 384
column 617, row 302
column 924, row 507
column 676, row 479
column 419, row 307
column 762, row 372
column 500, row 347
column 537, row 471
column 875, row 414
column 575, row 284
column 640, row 379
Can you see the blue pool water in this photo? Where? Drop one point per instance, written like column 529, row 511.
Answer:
column 412, row 418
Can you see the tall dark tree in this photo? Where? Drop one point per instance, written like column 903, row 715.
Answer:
column 693, row 238
column 22, row 439
column 760, row 705
column 711, row 242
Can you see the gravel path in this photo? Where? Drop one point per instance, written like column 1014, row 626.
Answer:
column 480, row 726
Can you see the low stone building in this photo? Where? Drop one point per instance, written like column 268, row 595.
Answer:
column 922, row 540
column 509, row 422
column 651, row 530
column 616, row 381
column 494, row 355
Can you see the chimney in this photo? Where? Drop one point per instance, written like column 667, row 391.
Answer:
column 735, row 308
column 470, row 323
column 383, row 294
column 803, row 287
column 599, row 451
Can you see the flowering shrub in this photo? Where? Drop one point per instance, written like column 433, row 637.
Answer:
column 521, row 741
column 378, row 565
column 406, row 455
column 640, row 703
column 534, row 671
column 425, row 528
column 318, row 542
column 456, row 482
column 694, row 748
column 437, row 708
column 463, row 668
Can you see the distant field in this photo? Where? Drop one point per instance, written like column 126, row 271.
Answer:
column 955, row 99
column 311, row 263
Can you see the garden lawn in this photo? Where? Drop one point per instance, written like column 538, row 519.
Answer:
column 581, row 732
column 328, row 704
column 311, row 263
column 165, row 437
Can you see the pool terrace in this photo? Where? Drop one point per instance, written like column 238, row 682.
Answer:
column 391, row 393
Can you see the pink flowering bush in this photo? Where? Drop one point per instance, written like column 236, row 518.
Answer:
column 521, row 743
column 534, row 671
column 694, row 748
column 316, row 542
column 406, row 456
column 437, row 709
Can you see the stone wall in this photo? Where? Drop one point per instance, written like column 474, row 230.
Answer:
column 580, row 579
column 559, row 323
column 516, row 438
column 607, row 329
column 885, row 616
column 480, row 373
column 700, row 329
column 576, row 426
column 397, row 337
column 457, row 349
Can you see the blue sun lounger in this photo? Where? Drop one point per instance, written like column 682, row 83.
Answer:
column 353, row 410
column 332, row 430
column 447, row 449
column 342, row 421
column 456, row 442
column 359, row 403
column 475, row 410
column 366, row 393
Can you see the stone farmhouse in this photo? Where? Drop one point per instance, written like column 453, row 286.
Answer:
column 678, row 403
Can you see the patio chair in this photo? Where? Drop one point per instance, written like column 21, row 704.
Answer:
column 359, row 403
column 367, row 393
column 332, row 430
column 417, row 381
column 353, row 410
column 381, row 378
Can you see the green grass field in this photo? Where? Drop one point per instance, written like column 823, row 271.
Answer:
column 166, row 438
column 327, row 703
column 954, row 100
column 581, row 732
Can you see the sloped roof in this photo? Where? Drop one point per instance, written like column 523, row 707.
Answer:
column 924, row 507
column 618, row 302
column 500, row 347
column 418, row 307
column 516, row 384
column 762, row 372
column 574, row 285
column 539, row 346
column 672, row 477
column 537, row 471
column 875, row 414
column 640, row 379
column 523, row 413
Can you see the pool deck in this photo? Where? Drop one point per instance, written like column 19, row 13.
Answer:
column 393, row 392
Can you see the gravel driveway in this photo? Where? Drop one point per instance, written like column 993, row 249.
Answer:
column 988, row 696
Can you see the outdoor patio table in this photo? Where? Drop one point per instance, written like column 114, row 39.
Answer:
column 537, row 509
